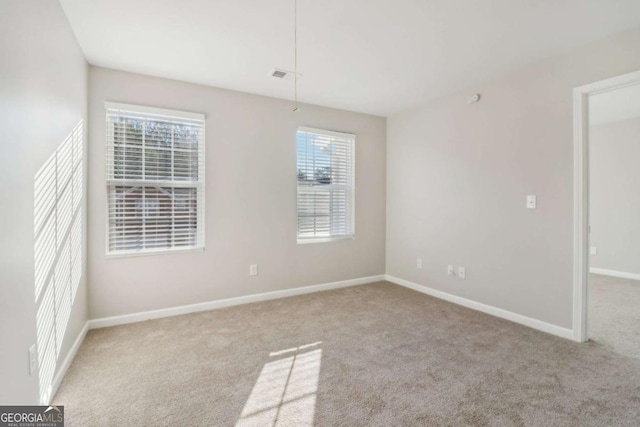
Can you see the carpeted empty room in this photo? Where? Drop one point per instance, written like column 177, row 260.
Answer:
column 376, row 354
column 319, row 213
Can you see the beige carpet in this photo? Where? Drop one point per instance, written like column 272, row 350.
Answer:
column 614, row 313
column 376, row 354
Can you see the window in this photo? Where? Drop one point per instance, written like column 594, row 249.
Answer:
column 155, row 180
column 326, row 185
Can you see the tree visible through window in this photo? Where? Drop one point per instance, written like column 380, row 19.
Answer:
column 155, row 179
column 326, row 189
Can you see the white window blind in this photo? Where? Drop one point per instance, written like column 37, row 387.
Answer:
column 326, row 186
column 155, row 180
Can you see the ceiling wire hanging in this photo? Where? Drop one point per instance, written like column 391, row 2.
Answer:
column 295, row 56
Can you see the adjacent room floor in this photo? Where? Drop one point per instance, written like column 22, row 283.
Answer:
column 375, row 354
column 614, row 314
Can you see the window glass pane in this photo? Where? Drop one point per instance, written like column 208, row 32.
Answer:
column 152, row 217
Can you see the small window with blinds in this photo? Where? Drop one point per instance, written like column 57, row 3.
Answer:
column 155, row 180
column 326, row 186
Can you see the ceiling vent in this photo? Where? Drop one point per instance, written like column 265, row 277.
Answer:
column 284, row 74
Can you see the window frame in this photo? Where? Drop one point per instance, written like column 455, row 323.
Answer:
column 334, row 238
column 199, row 185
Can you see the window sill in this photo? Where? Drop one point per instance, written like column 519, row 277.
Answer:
column 325, row 239
column 131, row 254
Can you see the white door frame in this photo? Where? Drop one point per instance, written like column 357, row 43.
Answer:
column 581, row 193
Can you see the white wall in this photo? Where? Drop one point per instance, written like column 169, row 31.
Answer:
column 250, row 200
column 458, row 175
column 43, row 96
column 614, row 150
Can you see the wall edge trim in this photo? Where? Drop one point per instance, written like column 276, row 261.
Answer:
column 227, row 302
column 614, row 273
column 487, row 309
column 64, row 367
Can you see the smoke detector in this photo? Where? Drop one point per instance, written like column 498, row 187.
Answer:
column 284, row 74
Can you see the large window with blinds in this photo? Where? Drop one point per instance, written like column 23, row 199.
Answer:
column 326, row 185
column 155, row 180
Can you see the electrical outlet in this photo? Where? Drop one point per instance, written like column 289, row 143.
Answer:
column 532, row 201
column 33, row 360
column 593, row 250
column 450, row 271
column 253, row 270
column 419, row 263
column 462, row 273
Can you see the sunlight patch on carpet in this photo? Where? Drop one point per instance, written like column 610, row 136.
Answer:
column 285, row 392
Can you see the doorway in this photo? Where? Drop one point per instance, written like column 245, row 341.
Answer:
column 607, row 213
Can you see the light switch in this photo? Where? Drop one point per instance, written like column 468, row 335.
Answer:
column 531, row 201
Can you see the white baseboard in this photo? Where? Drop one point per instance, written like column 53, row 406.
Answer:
column 211, row 305
column 494, row 311
column 613, row 273
column 57, row 379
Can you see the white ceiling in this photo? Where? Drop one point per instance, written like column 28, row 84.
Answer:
column 615, row 105
column 373, row 56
